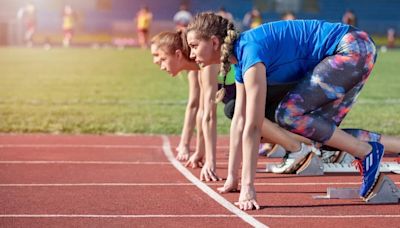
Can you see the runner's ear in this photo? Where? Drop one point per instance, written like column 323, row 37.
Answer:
column 178, row 54
column 215, row 43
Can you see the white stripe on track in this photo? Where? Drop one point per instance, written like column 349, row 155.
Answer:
column 327, row 216
column 79, row 146
column 169, row 184
column 95, row 162
column 202, row 186
column 86, row 146
column 192, row 216
column 110, row 216
column 94, row 184
column 87, row 162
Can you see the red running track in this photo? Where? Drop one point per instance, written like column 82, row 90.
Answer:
column 128, row 181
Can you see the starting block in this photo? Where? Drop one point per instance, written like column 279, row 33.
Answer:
column 277, row 151
column 313, row 166
column 384, row 192
column 339, row 193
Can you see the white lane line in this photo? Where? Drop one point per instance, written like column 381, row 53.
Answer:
column 327, row 216
column 206, row 189
column 79, row 146
column 310, row 183
column 94, row 184
column 167, row 184
column 94, row 162
column 87, row 162
column 86, row 146
column 110, row 216
column 193, row 216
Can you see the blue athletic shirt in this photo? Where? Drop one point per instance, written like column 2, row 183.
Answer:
column 288, row 49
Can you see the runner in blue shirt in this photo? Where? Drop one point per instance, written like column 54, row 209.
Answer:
column 329, row 62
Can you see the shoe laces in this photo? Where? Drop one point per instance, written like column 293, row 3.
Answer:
column 315, row 150
column 358, row 164
column 285, row 158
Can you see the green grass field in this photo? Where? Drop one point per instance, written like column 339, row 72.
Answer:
column 113, row 91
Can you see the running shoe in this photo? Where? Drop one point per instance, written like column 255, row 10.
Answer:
column 340, row 157
column 369, row 168
column 292, row 161
column 328, row 156
column 281, row 167
column 264, row 149
column 344, row 158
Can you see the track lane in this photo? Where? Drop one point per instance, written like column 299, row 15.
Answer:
column 164, row 199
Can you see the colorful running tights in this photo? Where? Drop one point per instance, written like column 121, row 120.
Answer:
column 318, row 104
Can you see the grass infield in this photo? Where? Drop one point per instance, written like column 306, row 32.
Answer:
column 121, row 91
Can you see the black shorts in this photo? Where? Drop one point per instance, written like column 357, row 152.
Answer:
column 230, row 93
column 275, row 94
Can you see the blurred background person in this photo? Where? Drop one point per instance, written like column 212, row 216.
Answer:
column 349, row 17
column 182, row 17
column 68, row 25
column 288, row 15
column 28, row 16
column 391, row 38
column 144, row 18
column 252, row 19
column 225, row 14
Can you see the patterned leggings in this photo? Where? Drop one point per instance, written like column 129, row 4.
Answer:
column 318, row 104
column 363, row 135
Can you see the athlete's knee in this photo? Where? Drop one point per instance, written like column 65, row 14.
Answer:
column 199, row 114
column 288, row 112
column 286, row 118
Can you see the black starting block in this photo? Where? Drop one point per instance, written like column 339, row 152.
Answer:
column 384, row 192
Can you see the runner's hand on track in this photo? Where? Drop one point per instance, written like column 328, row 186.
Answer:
column 247, row 199
column 195, row 161
column 183, row 153
column 231, row 185
column 208, row 173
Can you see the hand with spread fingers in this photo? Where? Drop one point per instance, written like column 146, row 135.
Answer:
column 195, row 161
column 247, row 199
column 231, row 185
column 183, row 153
column 208, row 173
